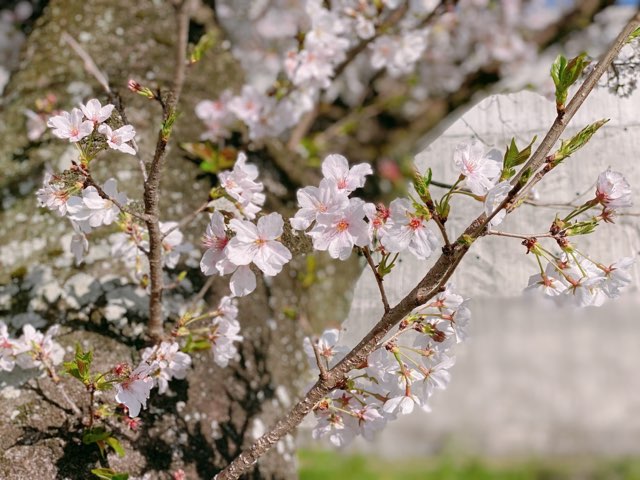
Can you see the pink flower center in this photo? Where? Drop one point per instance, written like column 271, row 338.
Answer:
column 342, row 183
column 342, row 225
column 217, row 243
column 415, row 223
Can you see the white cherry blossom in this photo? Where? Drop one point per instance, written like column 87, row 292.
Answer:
column 134, row 390
column 240, row 183
column 407, row 230
column 167, row 362
column 479, row 168
column 328, row 348
column 214, row 260
column 95, row 112
column 338, row 232
column 70, row 125
column 7, row 349
column 326, row 198
column 92, row 210
column 612, row 190
column 258, row 244
column 117, row 139
column 336, row 168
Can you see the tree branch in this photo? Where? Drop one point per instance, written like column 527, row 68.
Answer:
column 433, row 282
column 152, row 185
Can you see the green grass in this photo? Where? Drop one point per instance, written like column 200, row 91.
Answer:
column 323, row 465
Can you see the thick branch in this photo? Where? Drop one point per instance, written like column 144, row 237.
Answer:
column 426, row 289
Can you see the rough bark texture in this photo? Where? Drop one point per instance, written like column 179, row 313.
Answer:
column 212, row 414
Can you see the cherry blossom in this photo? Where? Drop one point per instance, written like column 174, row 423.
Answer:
column 338, row 232
column 79, row 244
column 616, row 276
column 95, row 112
column 167, row 363
column 134, row 390
column 241, row 185
column 493, row 199
column 117, row 139
column 479, row 169
column 405, row 229
column 336, row 168
column 53, row 195
column 548, row 283
column 214, row 260
column 92, row 210
column 223, row 340
column 216, row 116
column 318, row 200
column 258, row 244
column 70, row 125
column 328, row 348
column 7, row 349
column 173, row 244
column 612, row 190
column 34, row 349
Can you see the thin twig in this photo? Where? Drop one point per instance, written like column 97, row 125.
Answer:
column 321, row 366
column 521, row 236
column 378, row 277
column 203, row 291
column 188, row 219
column 433, row 282
column 89, row 65
column 56, row 381
column 123, row 208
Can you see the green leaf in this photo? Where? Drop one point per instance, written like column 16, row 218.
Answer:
column 83, row 361
column 101, row 383
column 94, row 435
column 443, row 209
column 116, row 445
column 167, row 124
column 421, row 185
column 212, row 159
column 71, row 368
column 205, row 42
column 514, row 157
column 579, row 140
column 557, row 69
column 109, row 474
column 195, row 345
column 582, row 228
column 635, row 34
column 565, row 73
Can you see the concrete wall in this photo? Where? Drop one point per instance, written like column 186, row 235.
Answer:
column 533, row 379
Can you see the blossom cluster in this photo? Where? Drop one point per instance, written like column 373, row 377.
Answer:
column 296, row 52
column 159, row 364
column 163, row 362
column 71, row 194
column 339, row 222
column 402, row 373
column 572, row 276
column 33, row 349
column 252, row 243
column 83, row 122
